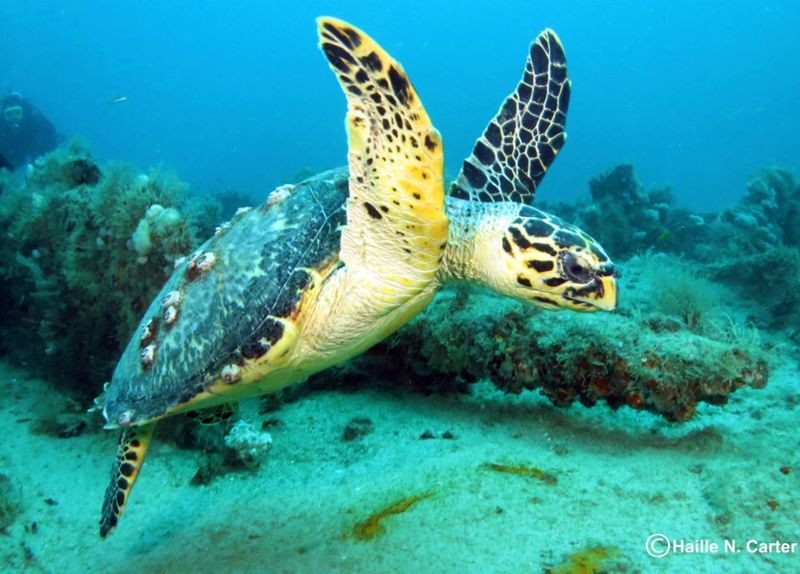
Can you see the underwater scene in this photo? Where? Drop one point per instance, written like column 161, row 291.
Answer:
column 284, row 287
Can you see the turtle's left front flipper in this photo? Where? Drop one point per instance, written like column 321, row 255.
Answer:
column 396, row 224
column 133, row 443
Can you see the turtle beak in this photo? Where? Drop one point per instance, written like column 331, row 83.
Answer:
column 606, row 293
column 602, row 297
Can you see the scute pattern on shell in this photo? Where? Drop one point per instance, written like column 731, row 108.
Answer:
column 259, row 273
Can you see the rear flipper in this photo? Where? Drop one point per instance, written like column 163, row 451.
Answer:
column 132, row 448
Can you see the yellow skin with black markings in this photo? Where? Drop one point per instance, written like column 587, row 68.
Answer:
column 328, row 268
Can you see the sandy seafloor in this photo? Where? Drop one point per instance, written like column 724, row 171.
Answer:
column 621, row 476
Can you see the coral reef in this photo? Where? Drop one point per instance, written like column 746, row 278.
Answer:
column 84, row 252
column 748, row 246
column 628, row 218
column 755, row 246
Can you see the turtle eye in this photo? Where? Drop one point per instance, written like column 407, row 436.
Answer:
column 574, row 269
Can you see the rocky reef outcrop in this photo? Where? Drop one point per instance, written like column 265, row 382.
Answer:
column 671, row 346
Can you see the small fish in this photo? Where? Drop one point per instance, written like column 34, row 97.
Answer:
column 118, row 100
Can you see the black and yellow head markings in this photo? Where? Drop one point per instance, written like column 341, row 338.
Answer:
column 519, row 144
column 557, row 264
column 133, row 443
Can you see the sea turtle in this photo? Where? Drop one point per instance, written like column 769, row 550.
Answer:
column 329, row 267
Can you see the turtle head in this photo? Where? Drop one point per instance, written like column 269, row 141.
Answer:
column 525, row 253
column 552, row 264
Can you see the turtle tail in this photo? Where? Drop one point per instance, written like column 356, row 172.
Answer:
column 133, row 443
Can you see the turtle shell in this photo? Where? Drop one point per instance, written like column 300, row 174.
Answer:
column 228, row 303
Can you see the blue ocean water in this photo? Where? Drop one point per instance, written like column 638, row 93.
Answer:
column 236, row 95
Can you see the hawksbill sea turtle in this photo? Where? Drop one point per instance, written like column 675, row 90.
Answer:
column 329, row 267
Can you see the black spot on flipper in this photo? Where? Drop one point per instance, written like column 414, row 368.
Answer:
column 354, row 90
column 546, row 154
column 372, row 61
column 457, row 192
column 338, row 57
column 522, row 280
column 523, row 92
column 475, row 176
column 126, row 469
column 493, row 134
column 483, row 153
column 539, row 57
column 508, row 111
column 346, row 35
column 558, row 73
column 373, row 213
column 399, row 86
column 361, row 77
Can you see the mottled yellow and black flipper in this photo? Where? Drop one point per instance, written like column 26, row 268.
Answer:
column 396, row 223
column 522, row 140
column 133, row 443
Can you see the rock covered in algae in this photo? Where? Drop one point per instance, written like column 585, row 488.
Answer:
column 671, row 347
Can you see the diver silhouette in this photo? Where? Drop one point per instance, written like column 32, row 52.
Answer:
column 25, row 133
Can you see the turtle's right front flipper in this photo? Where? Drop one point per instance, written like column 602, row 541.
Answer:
column 133, row 443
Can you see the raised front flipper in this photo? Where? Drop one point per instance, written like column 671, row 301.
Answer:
column 133, row 443
column 522, row 140
column 396, row 224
